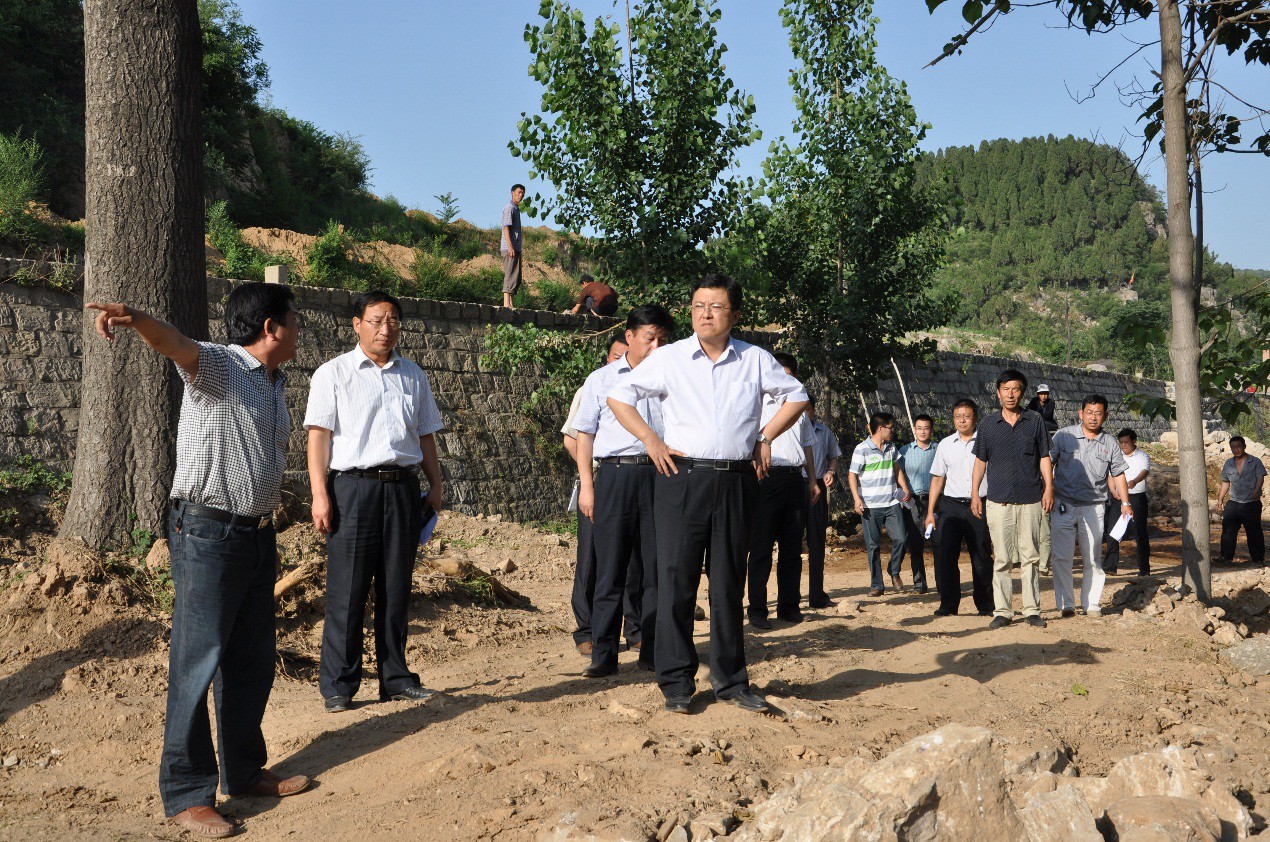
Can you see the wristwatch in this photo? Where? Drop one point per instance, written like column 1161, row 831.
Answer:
column 763, row 439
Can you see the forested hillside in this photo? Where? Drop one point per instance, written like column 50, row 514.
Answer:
column 1043, row 224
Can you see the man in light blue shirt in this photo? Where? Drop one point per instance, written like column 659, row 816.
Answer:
column 619, row 497
column 916, row 457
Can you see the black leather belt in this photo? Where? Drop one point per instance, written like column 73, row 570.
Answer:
column 965, row 501
column 784, row 469
column 625, row 460
column 391, row 473
column 185, row 507
column 731, row 465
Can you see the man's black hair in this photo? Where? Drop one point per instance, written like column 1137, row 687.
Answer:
column 787, row 361
column 651, row 314
column 249, row 305
column 926, row 418
column 514, row 186
column 1093, row 399
column 372, row 297
column 880, row 419
column 585, row 279
column 967, row 402
column 1011, row 375
column 1128, row 431
column 1239, row 439
column 717, row 280
column 613, row 340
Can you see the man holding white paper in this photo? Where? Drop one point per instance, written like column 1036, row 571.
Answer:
column 1088, row 468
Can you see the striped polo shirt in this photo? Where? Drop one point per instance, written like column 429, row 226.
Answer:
column 876, row 469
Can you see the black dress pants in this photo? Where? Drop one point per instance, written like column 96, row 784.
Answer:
column 1248, row 516
column 374, row 535
column 782, row 519
column 956, row 525
column 702, row 513
column 817, row 527
column 583, row 595
column 1141, row 533
column 915, row 539
column 624, row 538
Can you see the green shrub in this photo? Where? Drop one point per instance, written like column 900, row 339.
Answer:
column 329, row 264
column 554, row 295
column 21, row 177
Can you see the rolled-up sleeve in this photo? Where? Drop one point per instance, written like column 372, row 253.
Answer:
column 1118, row 464
column 428, row 416
column 321, row 411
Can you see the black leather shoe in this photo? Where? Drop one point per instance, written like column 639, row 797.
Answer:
column 985, row 613
column 999, row 622
column 644, row 666
column 599, row 671
column 748, row 700
column 940, row 612
column 821, row 603
column 1035, row 620
column 791, row 617
column 761, row 623
column 678, row 704
column 410, row 694
column 920, row 589
column 338, row 704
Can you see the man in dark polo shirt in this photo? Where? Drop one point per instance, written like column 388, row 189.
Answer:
column 231, row 450
column 1013, row 450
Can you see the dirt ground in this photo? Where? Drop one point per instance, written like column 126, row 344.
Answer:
column 519, row 742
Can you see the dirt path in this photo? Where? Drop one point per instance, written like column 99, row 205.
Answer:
column 520, row 742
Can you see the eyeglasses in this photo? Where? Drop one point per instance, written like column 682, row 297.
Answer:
column 376, row 324
column 714, row 307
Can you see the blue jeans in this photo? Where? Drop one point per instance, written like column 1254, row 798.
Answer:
column 871, row 524
column 223, row 637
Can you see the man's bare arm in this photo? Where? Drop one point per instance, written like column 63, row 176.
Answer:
column 158, row 334
column 629, row 417
column 432, row 470
column 319, row 458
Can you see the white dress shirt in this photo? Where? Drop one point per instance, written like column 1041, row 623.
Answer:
column 955, row 462
column 824, row 447
column 568, row 429
column 787, row 449
column 595, row 417
column 712, row 410
column 375, row 415
column 1138, row 461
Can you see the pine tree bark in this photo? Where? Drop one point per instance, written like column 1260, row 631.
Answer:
column 1184, row 345
column 144, row 221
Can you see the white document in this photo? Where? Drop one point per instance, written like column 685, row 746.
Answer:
column 1122, row 525
column 573, row 500
column 910, row 503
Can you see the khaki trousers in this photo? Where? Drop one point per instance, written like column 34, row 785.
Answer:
column 1016, row 533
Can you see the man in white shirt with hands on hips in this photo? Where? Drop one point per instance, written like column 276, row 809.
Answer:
column 711, row 388
column 371, row 419
column 618, row 498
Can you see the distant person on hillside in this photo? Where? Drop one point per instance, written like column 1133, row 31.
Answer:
column 1242, row 478
column 1136, row 478
column 1044, row 404
column 511, row 245
column 879, row 486
column 595, row 297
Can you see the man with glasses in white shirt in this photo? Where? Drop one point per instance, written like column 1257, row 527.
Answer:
column 371, row 420
column 711, row 388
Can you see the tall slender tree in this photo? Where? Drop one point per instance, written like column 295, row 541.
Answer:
column 143, row 66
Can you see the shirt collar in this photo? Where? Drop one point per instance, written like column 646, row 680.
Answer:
column 623, row 364
column 698, row 349
column 252, row 363
column 360, row 357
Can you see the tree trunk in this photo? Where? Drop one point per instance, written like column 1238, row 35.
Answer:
column 1184, row 347
column 144, row 221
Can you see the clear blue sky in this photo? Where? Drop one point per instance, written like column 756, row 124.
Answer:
column 433, row 88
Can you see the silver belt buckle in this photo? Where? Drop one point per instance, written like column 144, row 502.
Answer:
column 389, row 476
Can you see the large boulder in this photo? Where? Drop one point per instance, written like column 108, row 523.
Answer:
column 1251, row 656
column 1059, row 816
column 1174, row 772
column 1155, row 818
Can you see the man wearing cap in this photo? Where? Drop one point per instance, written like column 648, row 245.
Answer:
column 711, row 388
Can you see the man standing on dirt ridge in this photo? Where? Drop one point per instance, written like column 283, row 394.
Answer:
column 1013, row 451
column 372, row 422
column 711, row 390
column 231, row 451
column 511, row 245
column 618, row 496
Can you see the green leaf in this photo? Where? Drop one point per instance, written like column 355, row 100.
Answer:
column 972, row 11
column 1079, row 690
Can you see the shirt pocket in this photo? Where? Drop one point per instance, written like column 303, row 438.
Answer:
column 741, row 404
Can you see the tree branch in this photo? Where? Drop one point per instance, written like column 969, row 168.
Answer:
column 960, row 41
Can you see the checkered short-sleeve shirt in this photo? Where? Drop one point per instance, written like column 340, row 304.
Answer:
column 231, row 443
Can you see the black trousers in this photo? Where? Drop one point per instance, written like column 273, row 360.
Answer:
column 625, row 538
column 583, row 595
column 1141, row 533
column 702, row 513
column 374, row 535
column 956, row 525
column 781, row 519
column 1248, row 516
column 817, row 527
column 915, row 539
